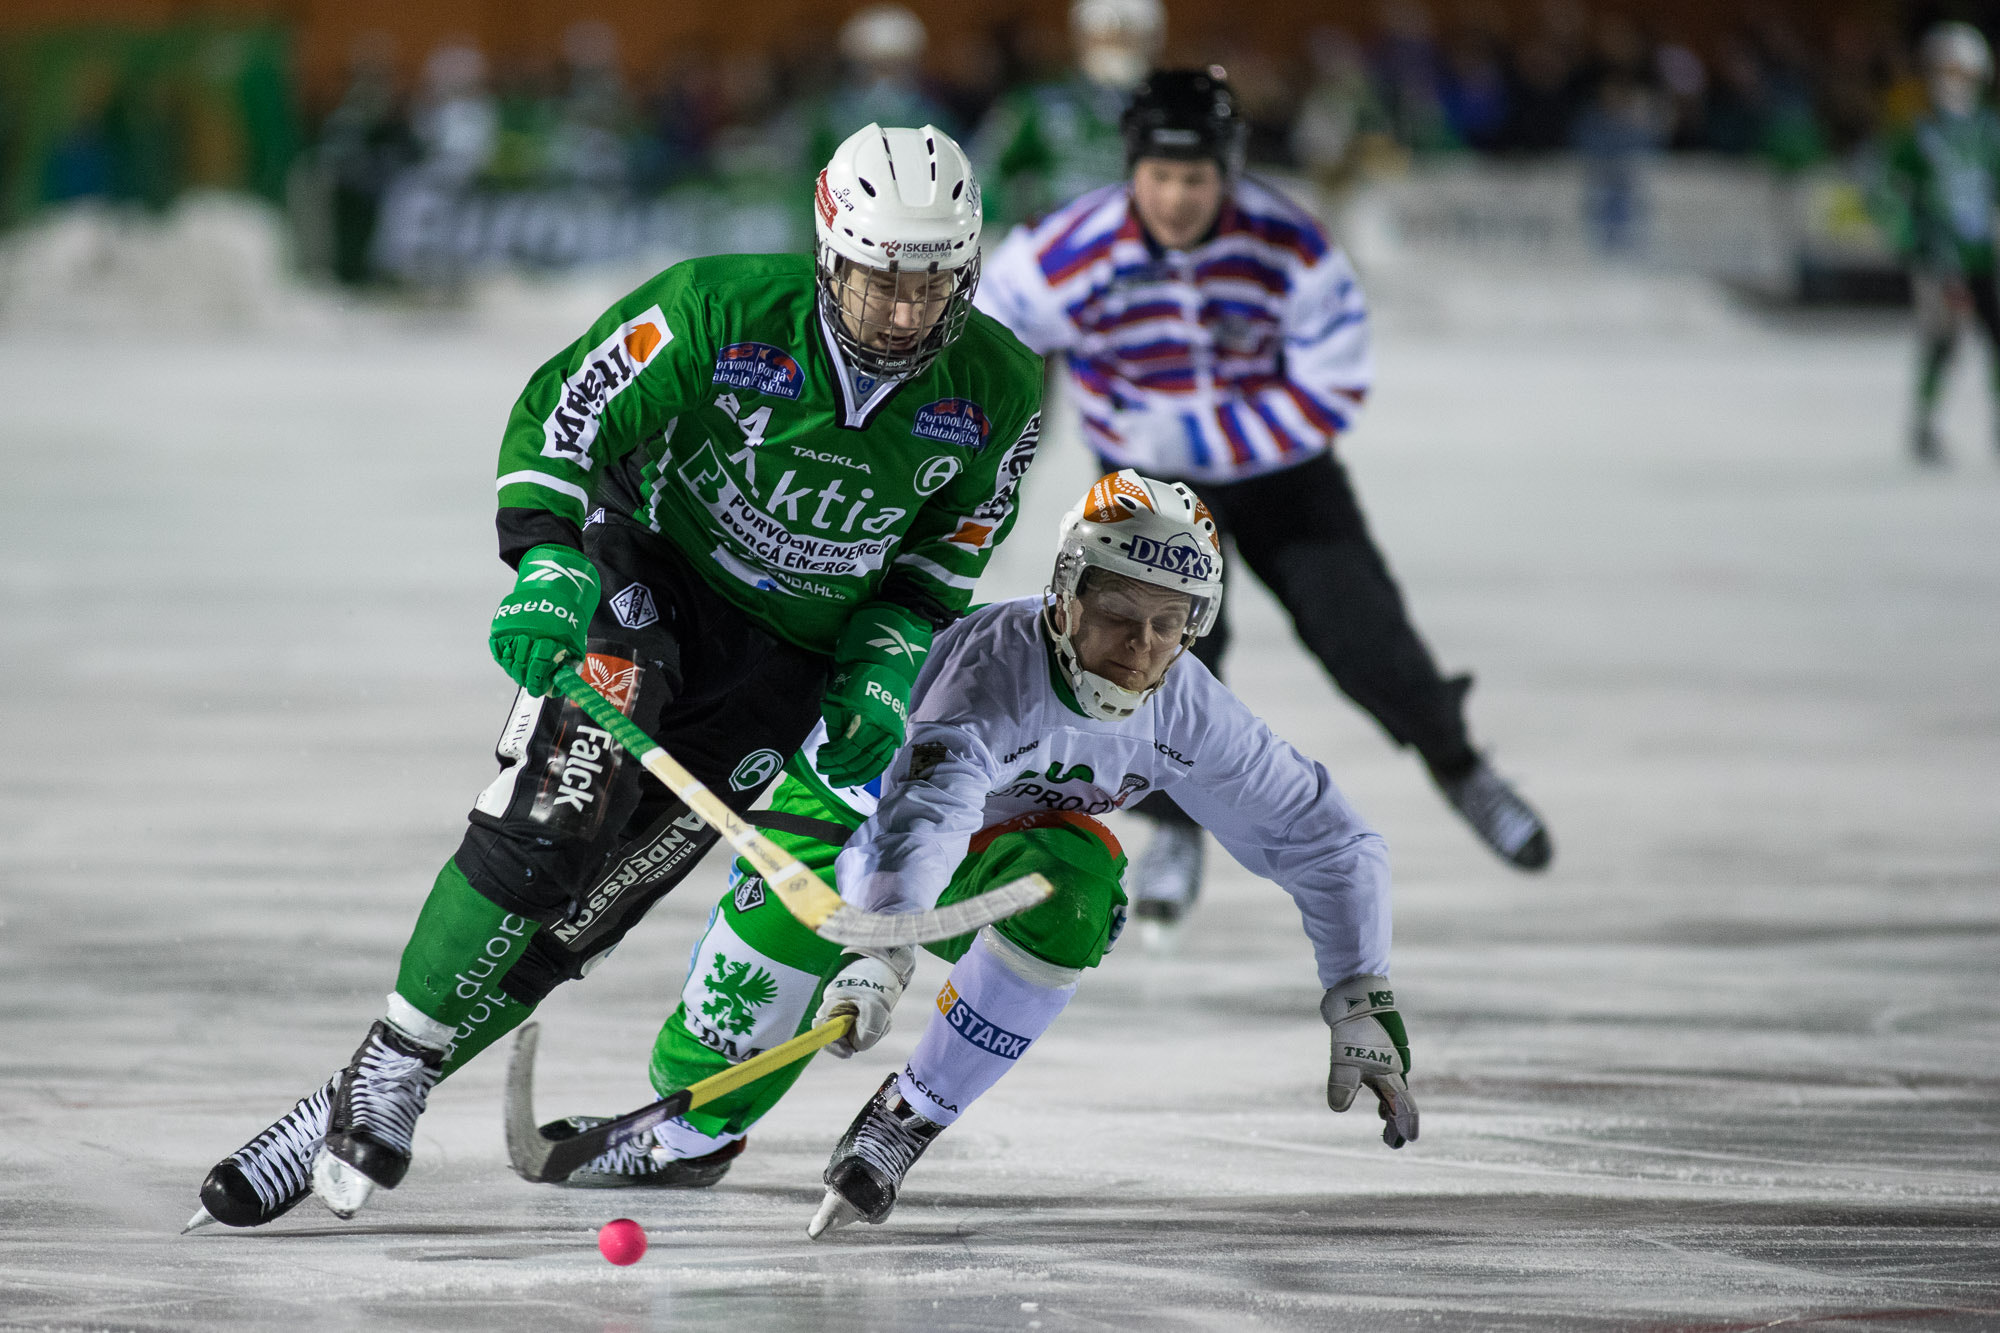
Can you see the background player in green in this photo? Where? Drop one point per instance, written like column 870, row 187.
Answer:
column 751, row 492
column 1047, row 143
column 1939, row 196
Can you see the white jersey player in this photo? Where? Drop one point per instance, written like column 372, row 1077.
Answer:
column 1029, row 719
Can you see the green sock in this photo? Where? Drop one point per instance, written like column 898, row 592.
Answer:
column 1932, row 361
column 462, row 945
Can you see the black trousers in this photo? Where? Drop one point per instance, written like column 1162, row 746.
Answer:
column 1301, row 532
column 577, row 836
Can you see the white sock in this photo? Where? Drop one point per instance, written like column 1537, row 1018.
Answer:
column 417, row 1025
column 998, row 1000
column 682, row 1140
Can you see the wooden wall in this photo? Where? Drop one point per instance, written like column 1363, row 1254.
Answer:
column 652, row 31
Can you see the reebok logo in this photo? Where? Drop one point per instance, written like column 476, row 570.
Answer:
column 548, row 571
column 893, row 642
column 895, row 705
column 544, row 607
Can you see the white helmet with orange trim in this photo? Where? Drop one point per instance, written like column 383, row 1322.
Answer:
column 896, row 239
column 1152, row 532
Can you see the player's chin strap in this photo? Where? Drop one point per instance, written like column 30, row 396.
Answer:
column 803, row 893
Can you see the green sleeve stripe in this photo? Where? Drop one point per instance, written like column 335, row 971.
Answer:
column 581, row 496
column 938, row 572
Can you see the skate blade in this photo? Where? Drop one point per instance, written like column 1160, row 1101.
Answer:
column 1161, row 939
column 202, row 1218
column 834, row 1213
column 339, row 1186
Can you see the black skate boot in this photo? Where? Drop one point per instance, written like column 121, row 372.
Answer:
column 1925, row 445
column 641, row 1163
column 270, row 1175
column 1165, row 881
column 870, row 1161
column 374, row 1116
column 1503, row 821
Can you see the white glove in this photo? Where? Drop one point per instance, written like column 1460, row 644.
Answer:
column 868, row 985
column 1370, row 1047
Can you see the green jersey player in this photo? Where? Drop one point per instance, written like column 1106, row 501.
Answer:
column 1941, row 183
column 1046, row 143
column 743, row 501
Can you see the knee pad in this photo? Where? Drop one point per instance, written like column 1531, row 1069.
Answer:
column 1075, row 927
column 520, row 872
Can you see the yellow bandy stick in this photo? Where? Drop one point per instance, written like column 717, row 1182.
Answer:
column 544, row 1160
column 803, row 893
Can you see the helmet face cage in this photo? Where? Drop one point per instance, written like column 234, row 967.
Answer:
column 861, row 311
column 1147, row 531
column 893, row 210
column 1186, row 115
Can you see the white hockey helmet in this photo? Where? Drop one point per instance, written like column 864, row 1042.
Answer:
column 1151, row 531
column 1117, row 40
column 895, row 201
column 883, row 35
column 1959, row 48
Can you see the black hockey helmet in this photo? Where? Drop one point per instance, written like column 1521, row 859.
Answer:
column 1186, row 114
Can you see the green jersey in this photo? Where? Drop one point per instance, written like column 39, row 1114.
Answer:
column 712, row 406
column 1044, row 145
column 1940, row 194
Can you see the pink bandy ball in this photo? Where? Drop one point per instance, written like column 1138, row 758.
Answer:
column 622, row 1242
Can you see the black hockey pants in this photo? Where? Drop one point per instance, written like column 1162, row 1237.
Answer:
column 1301, row 531
column 577, row 836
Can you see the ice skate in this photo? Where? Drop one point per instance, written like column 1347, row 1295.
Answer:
column 1925, row 446
column 870, row 1161
column 270, row 1175
column 646, row 1163
column 374, row 1116
column 1503, row 821
column 1165, row 881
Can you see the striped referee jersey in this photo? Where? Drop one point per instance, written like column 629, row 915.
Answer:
column 1245, row 354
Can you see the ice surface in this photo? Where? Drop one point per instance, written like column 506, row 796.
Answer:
column 1734, row 1063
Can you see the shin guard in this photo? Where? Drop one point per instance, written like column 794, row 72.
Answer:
column 997, row 1001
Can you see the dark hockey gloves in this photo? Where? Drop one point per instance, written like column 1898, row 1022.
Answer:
column 541, row 624
column 867, row 704
column 1370, row 1048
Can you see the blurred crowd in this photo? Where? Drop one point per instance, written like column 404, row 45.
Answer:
column 1038, row 109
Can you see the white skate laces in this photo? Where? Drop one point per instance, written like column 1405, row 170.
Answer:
column 277, row 1164
column 388, row 1090
column 868, row 1165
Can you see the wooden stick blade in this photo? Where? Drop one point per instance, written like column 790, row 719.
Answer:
column 885, row 930
column 546, row 1161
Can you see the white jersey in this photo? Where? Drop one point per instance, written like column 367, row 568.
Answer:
column 991, row 737
column 1246, row 354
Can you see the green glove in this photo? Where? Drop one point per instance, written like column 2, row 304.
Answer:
column 867, row 705
column 540, row 625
